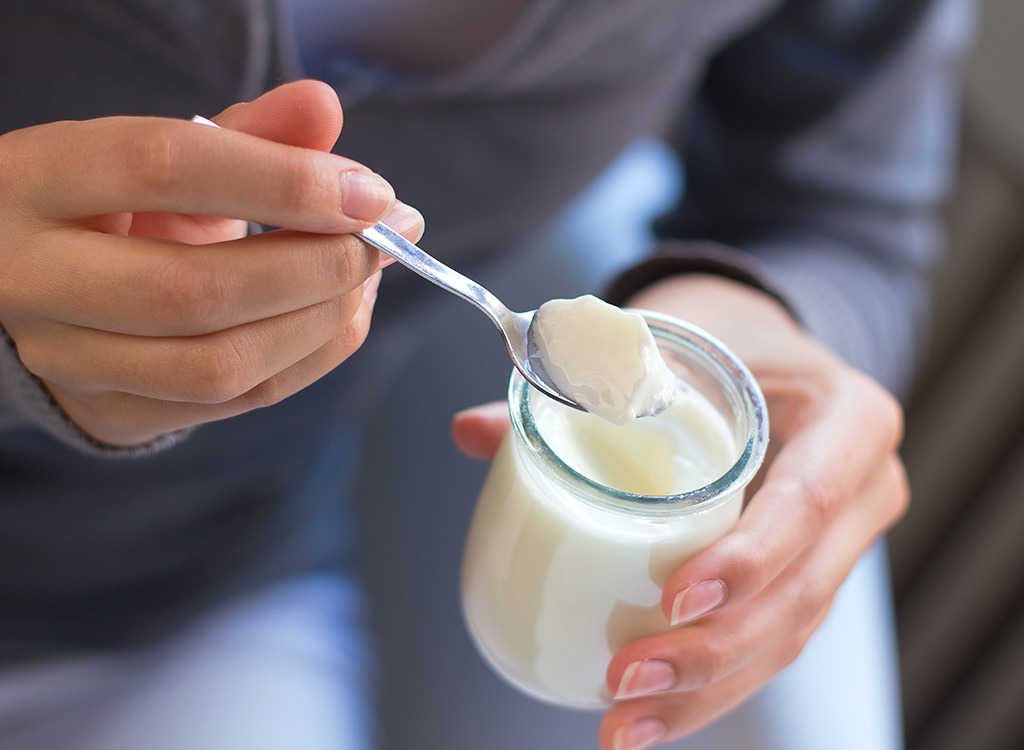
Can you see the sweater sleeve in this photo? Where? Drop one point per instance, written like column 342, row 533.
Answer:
column 816, row 154
column 25, row 403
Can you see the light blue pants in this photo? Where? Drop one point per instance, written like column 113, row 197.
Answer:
column 284, row 669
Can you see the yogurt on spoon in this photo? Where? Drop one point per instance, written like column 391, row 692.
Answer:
column 603, row 358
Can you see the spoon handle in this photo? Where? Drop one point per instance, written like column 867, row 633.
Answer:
column 386, row 239
column 513, row 326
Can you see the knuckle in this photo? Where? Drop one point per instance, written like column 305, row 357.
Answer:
column 152, row 158
column 214, row 371
column 809, row 598
column 791, row 648
column 273, row 390
column 185, row 295
column 353, row 335
column 277, row 388
column 746, row 564
column 345, row 316
column 886, row 411
column 710, row 663
column 818, row 498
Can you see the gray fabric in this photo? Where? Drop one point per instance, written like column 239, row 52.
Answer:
column 826, row 165
column 816, row 135
column 28, row 403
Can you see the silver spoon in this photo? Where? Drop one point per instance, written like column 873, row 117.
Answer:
column 515, row 327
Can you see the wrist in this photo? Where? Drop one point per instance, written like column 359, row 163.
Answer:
column 719, row 305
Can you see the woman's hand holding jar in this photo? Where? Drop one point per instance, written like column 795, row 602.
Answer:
column 831, row 485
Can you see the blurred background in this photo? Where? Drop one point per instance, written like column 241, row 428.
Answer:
column 958, row 557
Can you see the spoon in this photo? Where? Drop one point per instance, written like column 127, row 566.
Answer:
column 515, row 327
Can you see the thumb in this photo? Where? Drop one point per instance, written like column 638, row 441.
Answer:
column 478, row 431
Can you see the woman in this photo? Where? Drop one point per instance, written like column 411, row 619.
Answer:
column 186, row 404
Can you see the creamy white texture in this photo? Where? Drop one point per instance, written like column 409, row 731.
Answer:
column 685, row 446
column 553, row 586
column 603, row 358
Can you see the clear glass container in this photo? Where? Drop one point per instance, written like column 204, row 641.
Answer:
column 560, row 569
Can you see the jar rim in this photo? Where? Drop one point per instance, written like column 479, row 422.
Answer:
column 719, row 360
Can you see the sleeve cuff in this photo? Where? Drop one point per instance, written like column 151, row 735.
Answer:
column 25, row 402
column 678, row 257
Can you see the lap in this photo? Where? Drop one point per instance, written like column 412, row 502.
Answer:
column 284, row 668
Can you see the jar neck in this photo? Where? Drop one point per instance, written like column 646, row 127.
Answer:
column 702, row 358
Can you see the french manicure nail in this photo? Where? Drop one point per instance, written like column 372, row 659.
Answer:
column 370, row 289
column 697, row 600
column 645, row 677
column 365, row 196
column 403, row 218
column 639, row 735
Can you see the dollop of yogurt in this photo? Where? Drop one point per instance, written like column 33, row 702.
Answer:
column 603, row 358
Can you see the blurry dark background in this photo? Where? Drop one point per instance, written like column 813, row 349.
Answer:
column 958, row 557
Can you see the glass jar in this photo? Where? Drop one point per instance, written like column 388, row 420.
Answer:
column 560, row 569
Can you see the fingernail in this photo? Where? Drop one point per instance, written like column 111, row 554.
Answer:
column 639, row 735
column 365, row 196
column 645, row 677
column 404, row 219
column 370, row 289
column 697, row 600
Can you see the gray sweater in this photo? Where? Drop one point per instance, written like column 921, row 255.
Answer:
column 816, row 137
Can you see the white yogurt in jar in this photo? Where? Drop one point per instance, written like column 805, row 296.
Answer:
column 559, row 574
column 686, row 446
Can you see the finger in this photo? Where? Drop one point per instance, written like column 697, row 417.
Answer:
column 646, row 722
column 127, row 419
column 190, row 229
column 700, row 655
column 785, row 618
column 479, row 431
column 319, row 363
column 301, row 113
column 220, row 286
column 148, row 287
column 819, row 469
column 304, row 113
column 207, row 369
column 704, row 653
column 71, row 170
